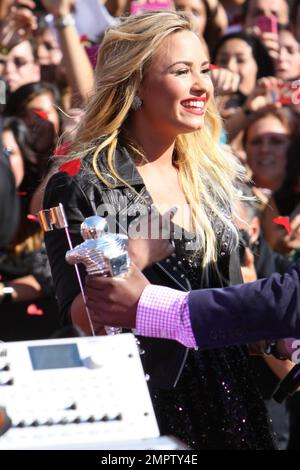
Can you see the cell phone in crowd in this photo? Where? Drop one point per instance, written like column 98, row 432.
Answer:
column 139, row 6
column 286, row 94
column 267, row 24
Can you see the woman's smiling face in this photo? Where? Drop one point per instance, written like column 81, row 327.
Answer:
column 177, row 85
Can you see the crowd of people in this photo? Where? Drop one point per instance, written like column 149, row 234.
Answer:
column 126, row 112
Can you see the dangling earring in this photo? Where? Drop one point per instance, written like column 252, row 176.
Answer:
column 136, row 103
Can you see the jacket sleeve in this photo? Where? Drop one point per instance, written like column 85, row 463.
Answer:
column 64, row 189
column 268, row 308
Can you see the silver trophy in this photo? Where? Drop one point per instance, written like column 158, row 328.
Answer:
column 101, row 253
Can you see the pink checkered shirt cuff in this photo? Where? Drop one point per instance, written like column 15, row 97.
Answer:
column 164, row 313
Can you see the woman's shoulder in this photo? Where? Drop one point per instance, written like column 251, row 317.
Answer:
column 72, row 181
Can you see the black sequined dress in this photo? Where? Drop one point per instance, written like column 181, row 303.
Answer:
column 215, row 404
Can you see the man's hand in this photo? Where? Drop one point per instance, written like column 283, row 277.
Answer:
column 113, row 300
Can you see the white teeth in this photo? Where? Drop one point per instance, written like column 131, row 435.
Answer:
column 194, row 104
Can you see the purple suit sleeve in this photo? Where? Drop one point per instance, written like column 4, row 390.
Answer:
column 264, row 309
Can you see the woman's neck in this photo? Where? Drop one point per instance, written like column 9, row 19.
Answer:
column 272, row 185
column 157, row 147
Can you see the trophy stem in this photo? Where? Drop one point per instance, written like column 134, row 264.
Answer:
column 112, row 330
column 80, row 285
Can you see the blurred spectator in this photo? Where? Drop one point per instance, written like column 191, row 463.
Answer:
column 40, row 97
column 266, row 140
column 117, row 7
column 259, row 261
column 288, row 64
column 233, row 10
column 198, row 9
column 12, row 128
column 285, row 202
column 295, row 19
column 20, row 65
column 30, row 312
column 76, row 62
column 287, row 197
column 9, row 207
column 48, row 49
column 254, row 8
column 209, row 17
column 244, row 54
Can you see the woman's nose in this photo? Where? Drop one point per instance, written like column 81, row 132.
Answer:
column 264, row 145
column 282, row 53
column 201, row 83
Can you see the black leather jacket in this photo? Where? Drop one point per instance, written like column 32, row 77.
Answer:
column 84, row 195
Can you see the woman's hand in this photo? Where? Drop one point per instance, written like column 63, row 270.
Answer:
column 149, row 238
column 113, row 301
column 270, row 41
column 265, row 94
column 225, row 81
column 18, row 26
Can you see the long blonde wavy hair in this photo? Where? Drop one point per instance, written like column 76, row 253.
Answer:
column 206, row 172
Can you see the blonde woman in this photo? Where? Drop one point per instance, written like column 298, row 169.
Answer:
column 150, row 135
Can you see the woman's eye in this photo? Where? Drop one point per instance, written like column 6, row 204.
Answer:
column 208, row 70
column 256, row 141
column 182, row 72
column 277, row 141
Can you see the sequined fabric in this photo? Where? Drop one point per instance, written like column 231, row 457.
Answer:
column 215, row 404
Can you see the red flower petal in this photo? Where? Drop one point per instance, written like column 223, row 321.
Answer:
column 284, row 221
column 32, row 309
column 33, row 218
column 213, row 67
column 72, row 168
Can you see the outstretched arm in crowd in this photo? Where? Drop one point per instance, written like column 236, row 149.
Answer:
column 78, row 66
